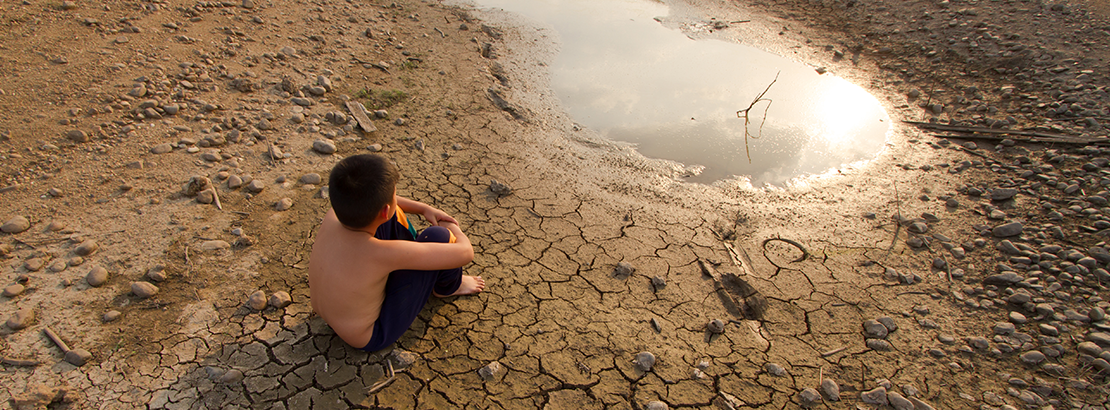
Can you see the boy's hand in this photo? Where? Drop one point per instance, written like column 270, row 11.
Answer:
column 435, row 216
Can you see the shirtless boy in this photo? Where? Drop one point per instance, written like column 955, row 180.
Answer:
column 370, row 274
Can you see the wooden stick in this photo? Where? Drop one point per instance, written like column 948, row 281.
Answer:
column 985, row 130
column 216, row 197
column 57, row 340
column 18, row 362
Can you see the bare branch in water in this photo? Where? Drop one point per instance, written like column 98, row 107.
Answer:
column 744, row 114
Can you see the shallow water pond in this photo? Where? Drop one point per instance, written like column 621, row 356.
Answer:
column 622, row 73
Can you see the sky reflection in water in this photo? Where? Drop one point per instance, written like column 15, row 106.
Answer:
column 623, row 74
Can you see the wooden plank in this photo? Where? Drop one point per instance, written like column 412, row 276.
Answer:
column 359, row 112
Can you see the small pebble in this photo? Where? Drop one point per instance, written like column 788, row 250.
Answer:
column 624, row 269
column 86, row 248
column 111, row 316
column 644, row 361
column 774, row 369
column 831, row 389
column 809, row 397
column 716, row 326
column 78, row 357
column 656, row 405
column 97, row 276
column 284, row 204
column 143, row 289
column 280, row 299
column 323, row 146
column 13, row 290
column 16, row 224
column 257, row 300
column 499, row 188
column 491, row 371
column 874, row 396
column 21, row 319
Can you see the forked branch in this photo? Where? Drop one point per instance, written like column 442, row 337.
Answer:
column 744, row 114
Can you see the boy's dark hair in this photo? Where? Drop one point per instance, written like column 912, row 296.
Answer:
column 360, row 186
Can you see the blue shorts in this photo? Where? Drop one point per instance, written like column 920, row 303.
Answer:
column 407, row 291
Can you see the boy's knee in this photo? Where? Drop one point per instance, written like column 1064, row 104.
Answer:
column 434, row 234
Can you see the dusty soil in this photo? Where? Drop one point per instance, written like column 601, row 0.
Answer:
column 107, row 110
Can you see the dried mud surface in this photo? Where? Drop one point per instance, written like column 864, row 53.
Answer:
column 231, row 91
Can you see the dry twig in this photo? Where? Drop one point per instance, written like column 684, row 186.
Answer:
column 744, row 114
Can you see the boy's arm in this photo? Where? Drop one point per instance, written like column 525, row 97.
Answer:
column 431, row 255
column 433, row 215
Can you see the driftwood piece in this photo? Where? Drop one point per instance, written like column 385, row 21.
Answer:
column 19, row 362
column 984, row 130
column 57, row 340
column 1001, row 134
column 359, row 112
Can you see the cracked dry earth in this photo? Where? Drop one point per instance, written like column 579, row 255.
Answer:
column 596, row 255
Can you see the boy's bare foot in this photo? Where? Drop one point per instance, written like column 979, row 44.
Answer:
column 470, row 285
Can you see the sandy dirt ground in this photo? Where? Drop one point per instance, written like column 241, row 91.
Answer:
column 161, row 177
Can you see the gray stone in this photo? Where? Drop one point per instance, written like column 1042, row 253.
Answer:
column 284, row 204
column 1004, row 328
column 111, row 316
column 874, row 329
column 21, row 319
column 874, row 396
column 16, row 224
column 774, row 369
column 402, row 359
column 86, row 248
column 1018, row 318
column 644, row 361
column 143, row 289
column 809, row 397
column 97, row 276
column 831, row 389
column 499, row 189
column 1100, row 338
column 78, row 357
column 1032, row 357
column 1002, row 194
column 716, row 326
column 257, row 300
column 899, row 402
column 280, row 299
column 256, row 186
column 1006, row 278
column 234, row 182
column 656, row 405
column 214, row 245
column 878, row 345
column 1007, row 230
column 491, row 372
column 624, row 269
column 161, row 149
column 1005, row 246
column 77, row 136
column 13, row 290
column 324, row 146
column 979, row 342
column 231, row 376
column 311, row 179
column 34, row 264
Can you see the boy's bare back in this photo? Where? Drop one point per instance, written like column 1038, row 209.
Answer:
column 347, row 283
column 349, row 269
